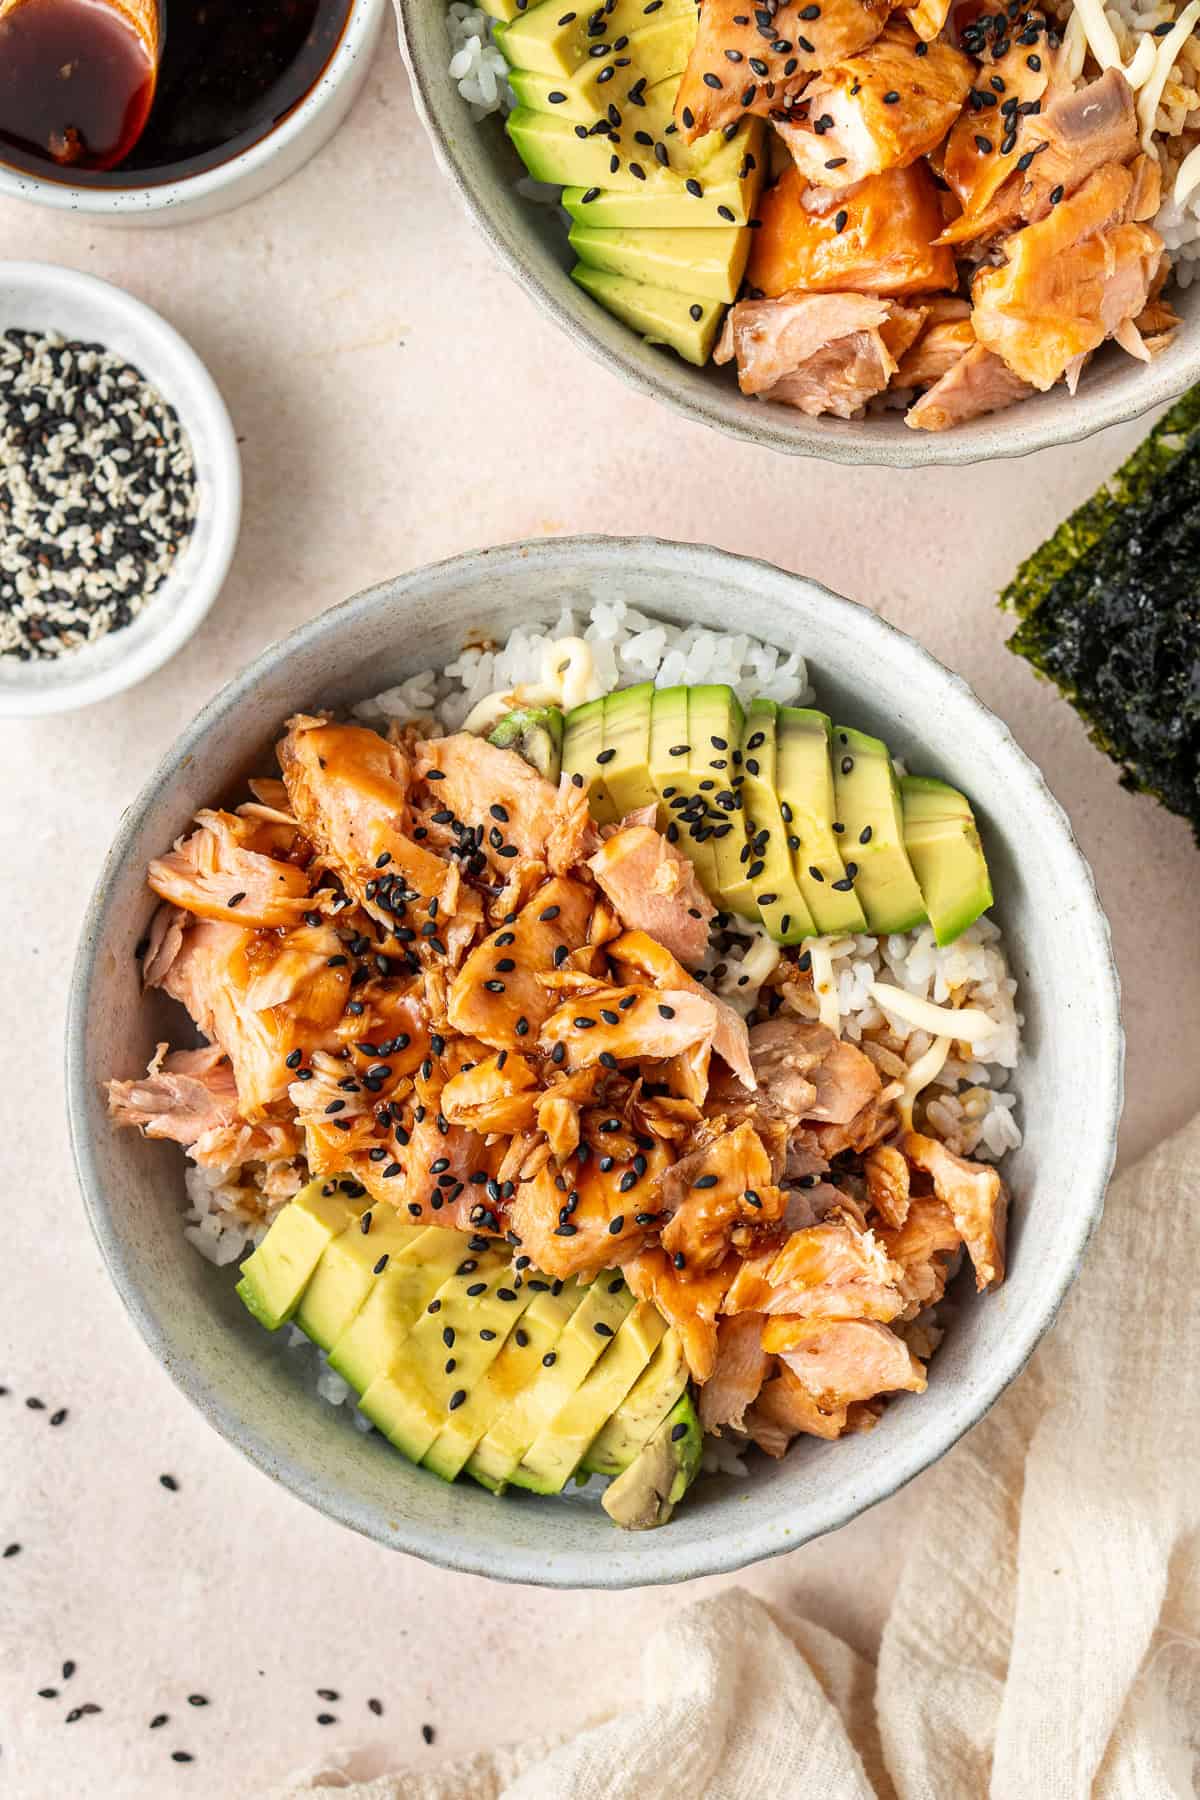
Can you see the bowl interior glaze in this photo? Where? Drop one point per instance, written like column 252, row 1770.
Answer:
column 1058, row 943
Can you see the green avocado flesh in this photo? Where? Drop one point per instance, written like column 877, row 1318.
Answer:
column 661, row 227
column 947, row 857
column 1110, row 612
column 536, row 734
column 788, row 819
column 464, row 1364
column 867, row 797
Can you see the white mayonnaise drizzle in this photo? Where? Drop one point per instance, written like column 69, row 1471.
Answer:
column 568, row 678
column 1165, row 55
column 926, row 1069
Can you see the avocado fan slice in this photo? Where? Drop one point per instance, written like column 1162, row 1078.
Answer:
column 553, row 1457
column 779, row 900
column 583, row 743
column 804, row 782
column 446, row 1354
column 650, row 1489
column 514, row 1371
column 943, row 846
column 345, row 1275
column 870, row 813
column 274, row 1277
column 642, row 1411
column 605, row 1303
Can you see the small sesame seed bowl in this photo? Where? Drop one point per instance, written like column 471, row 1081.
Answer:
column 120, row 490
column 254, row 1389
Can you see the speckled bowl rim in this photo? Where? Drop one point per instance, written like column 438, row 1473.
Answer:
column 128, row 203
column 609, row 342
column 610, row 1567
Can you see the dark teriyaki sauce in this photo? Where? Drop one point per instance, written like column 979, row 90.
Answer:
column 75, row 85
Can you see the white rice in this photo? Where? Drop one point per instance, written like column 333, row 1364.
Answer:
column 626, row 645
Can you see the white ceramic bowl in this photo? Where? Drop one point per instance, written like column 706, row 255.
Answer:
column 531, row 242
column 1069, row 1083
column 305, row 129
column 44, row 297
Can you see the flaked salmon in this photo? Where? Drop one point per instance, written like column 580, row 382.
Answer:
column 1069, row 281
column 654, row 889
column 945, row 337
column 979, row 382
column 758, row 60
column 827, row 1270
column 737, row 1379
column 497, row 995
column 976, row 1198
column 875, row 237
column 882, row 108
column 840, row 1361
column 722, row 1185
column 822, row 353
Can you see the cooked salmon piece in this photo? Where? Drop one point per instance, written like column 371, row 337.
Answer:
column 946, row 335
column 979, row 382
column 822, row 353
column 758, row 60
column 888, row 1187
column 786, row 1051
column 225, row 870
column 876, row 1120
column 627, row 1024
column 495, row 794
column 723, row 1184
column 571, row 836
column 349, row 790
column 655, row 889
column 927, row 1247
column 741, row 1368
column 881, row 109
column 583, row 1218
column 498, row 1094
column 993, row 133
column 976, row 1197
column 638, row 955
column 1069, row 280
column 785, row 1409
column 928, row 18
column 690, row 1303
column 831, row 1269
column 846, row 1082
column 876, row 237
column 1080, row 132
column 497, row 995
column 1146, row 198
column 840, row 1361
column 182, row 1096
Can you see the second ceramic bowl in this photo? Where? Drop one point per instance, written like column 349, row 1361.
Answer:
column 1069, row 1082
column 531, row 241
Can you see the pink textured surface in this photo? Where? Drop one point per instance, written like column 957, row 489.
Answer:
column 399, row 400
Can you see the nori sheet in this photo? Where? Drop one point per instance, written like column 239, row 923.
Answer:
column 1110, row 609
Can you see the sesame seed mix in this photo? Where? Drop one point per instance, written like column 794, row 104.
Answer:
column 98, row 493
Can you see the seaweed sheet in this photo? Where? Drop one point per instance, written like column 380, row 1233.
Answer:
column 1110, row 611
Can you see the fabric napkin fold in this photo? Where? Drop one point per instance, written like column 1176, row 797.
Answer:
column 1044, row 1642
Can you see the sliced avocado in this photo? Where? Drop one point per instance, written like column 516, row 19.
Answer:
column 779, row 900
column 606, row 1303
column 536, row 734
column 551, row 151
column 682, row 803
column 516, row 1369
column 703, row 263
column 626, row 752
column 942, row 841
column 804, row 782
column 689, row 327
column 553, row 1457
column 641, row 1412
column 399, row 1296
column 657, row 49
column 446, row 1355
column 715, row 725
column 346, row 1274
column 868, row 806
column 554, row 42
column 655, row 1482
column 662, row 211
column 583, row 740
column 274, row 1278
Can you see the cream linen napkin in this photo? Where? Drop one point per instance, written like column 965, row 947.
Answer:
column 1045, row 1639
